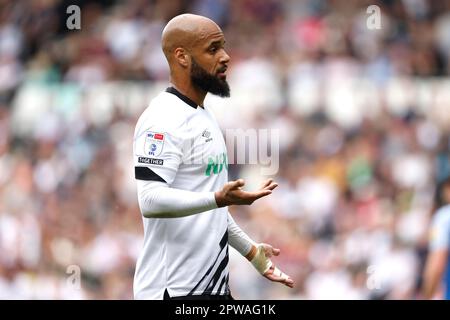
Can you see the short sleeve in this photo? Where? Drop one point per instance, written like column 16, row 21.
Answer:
column 157, row 154
column 440, row 230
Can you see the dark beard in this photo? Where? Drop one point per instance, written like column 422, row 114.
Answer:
column 208, row 82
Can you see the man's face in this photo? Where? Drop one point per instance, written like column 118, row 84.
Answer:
column 208, row 82
column 209, row 64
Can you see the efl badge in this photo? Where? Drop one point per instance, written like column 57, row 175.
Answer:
column 154, row 143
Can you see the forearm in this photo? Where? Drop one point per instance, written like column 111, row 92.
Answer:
column 239, row 240
column 434, row 270
column 257, row 253
column 431, row 282
column 158, row 200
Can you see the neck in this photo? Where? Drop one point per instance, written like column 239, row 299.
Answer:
column 186, row 87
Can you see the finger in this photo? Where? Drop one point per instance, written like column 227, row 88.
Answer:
column 271, row 186
column 266, row 183
column 289, row 282
column 286, row 281
column 275, row 274
column 256, row 194
column 237, row 184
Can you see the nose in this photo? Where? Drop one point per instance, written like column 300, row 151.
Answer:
column 225, row 58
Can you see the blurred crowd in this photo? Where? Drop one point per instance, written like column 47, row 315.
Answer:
column 363, row 117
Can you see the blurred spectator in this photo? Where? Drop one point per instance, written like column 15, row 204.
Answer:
column 362, row 115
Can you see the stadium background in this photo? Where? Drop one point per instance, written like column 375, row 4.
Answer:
column 364, row 136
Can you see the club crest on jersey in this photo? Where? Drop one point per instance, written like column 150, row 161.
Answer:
column 207, row 135
column 154, row 143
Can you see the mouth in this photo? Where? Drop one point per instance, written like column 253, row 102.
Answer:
column 221, row 73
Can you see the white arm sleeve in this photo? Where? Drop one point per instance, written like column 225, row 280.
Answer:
column 237, row 238
column 158, row 200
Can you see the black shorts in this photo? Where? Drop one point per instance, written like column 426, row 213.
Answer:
column 198, row 297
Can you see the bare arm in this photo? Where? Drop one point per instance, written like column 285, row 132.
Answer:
column 434, row 269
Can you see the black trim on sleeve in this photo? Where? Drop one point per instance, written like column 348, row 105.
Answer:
column 187, row 100
column 147, row 174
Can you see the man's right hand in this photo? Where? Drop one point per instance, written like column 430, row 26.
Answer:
column 232, row 193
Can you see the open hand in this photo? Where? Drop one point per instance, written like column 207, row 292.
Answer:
column 260, row 256
column 232, row 193
column 275, row 274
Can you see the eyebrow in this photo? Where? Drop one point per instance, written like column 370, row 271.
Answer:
column 216, row 42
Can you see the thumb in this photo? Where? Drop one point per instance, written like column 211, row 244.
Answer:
column 276, row 251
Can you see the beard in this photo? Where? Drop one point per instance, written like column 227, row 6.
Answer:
column 208, row 82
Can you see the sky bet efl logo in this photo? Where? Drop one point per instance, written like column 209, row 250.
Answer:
column 154, row 143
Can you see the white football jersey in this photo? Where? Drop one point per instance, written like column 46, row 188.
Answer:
column 180, row 143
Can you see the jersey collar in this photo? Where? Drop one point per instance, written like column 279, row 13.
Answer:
column 182, row 97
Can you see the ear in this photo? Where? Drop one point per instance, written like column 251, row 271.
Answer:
column 182, row 57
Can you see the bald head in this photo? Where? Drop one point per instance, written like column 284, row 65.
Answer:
column 194, row 48
column 187, row 31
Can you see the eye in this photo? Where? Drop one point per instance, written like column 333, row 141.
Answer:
column 213, row 49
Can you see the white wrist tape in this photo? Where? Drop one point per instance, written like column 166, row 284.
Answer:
column 260, row 261
column 280, row 273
